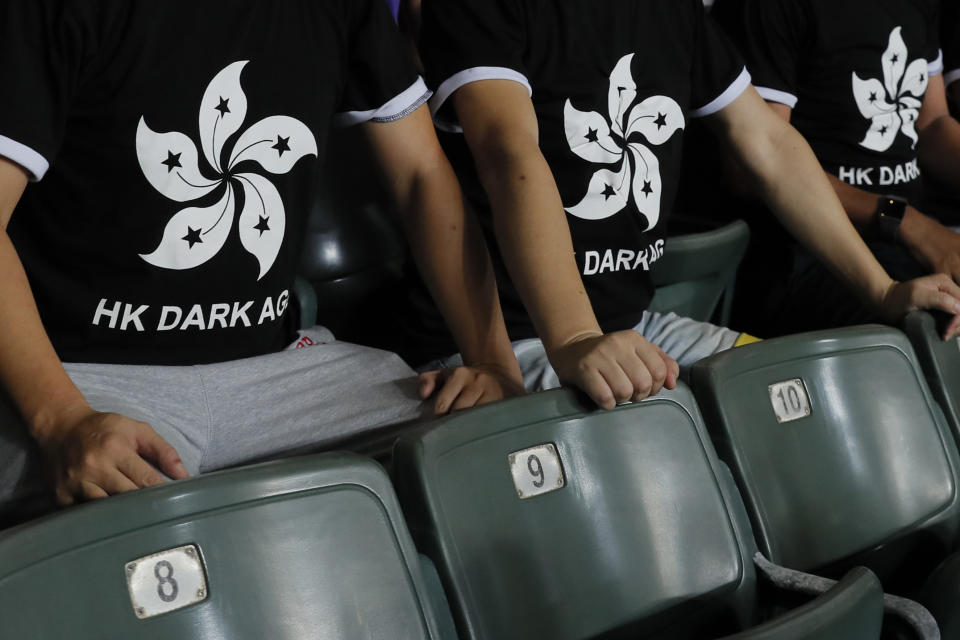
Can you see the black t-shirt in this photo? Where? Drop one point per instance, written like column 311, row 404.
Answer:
column 613, row 84
column 855, row 73
column 950, row 40
column 182, row 139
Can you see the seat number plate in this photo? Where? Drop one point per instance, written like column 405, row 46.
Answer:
column 790, row 400
column 536, row 470
column 166, row 581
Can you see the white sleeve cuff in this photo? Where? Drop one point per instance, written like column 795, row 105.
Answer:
column 951, row 76
column 461, row 78
column 35, row 164
column 722, row 101
column 411, row 99
column 782, row 97
column 936, row 67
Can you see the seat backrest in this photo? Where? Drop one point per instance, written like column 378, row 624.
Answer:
column 354, row 252
column 550, row 520
column 310, row 547
column 836, row 443
column 940, row 361
column 696, row 275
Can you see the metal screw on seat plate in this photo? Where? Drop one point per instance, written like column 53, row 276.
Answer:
column 131, row 568
column 140, row 611
column 201, row 593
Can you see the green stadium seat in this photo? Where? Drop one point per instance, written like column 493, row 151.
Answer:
column 547, row 519
column 306, row 297
column 840, row 452
column 852, row 609
column 29, row 496
column 311, row 547
column 940, row 361
column 354, row 251
column 696, row 275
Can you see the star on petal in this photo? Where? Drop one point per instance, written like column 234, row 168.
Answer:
column 193, row 237
column 884, row 129
column 894, row 58
column 172, row 161
column 223, row 107
column 591, row 135
column 873, row 96
column 647, row 189
column 661, row 121
column 262, row 225
column 282, row 144
column 608, row 191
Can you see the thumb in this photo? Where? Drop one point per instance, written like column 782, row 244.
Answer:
column 150, row 444
column 430, row 381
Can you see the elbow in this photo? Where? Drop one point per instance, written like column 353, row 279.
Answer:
column 500, row 160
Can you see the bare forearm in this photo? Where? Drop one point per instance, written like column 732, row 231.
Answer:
column 798, row 191
column 447, row 245
column 29, row 367
column 860, row 205
column 452, row 257
column 926, row 239
column 535, row 241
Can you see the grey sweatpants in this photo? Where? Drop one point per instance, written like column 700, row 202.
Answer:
column 226, row 413
column 683, row 339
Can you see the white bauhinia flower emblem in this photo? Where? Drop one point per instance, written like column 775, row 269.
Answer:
column 170, row 163
column 589, row 135
column 893, row 105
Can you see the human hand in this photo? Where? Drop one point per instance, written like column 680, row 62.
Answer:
column 932, row 244
column 99, row 454
column 464, row 387
column 615, row 367
column 938, row 291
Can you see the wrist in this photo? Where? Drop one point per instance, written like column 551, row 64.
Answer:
column 49, row 420
column 505, row 367
column 567, row 339
column 881, row 301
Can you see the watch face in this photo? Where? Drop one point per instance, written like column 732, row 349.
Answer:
column 892, row 207
column 889, row 214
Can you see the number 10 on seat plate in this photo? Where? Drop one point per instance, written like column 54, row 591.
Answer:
column 790, row 400
column 166, row 581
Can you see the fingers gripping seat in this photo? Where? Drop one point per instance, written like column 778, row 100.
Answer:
column 839, row 450
column 549, row 520
column 311, row 547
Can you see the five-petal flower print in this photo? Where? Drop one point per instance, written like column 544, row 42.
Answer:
column 636, row 170
column 170, row 162
column 893, row 105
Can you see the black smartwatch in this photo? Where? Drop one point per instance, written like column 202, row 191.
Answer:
column 888, row 216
